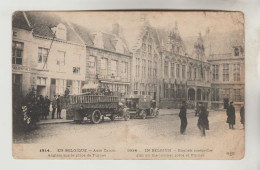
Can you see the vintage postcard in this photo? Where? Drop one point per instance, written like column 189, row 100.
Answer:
column 131, row 85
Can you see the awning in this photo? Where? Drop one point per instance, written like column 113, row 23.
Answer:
column 90, row 86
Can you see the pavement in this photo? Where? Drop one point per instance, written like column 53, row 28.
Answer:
column 55, row 120
column 63, row 115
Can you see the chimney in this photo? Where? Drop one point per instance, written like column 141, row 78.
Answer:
column 115, row 29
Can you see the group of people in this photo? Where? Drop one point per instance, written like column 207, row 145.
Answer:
column 38, row 106
column 231, row 115
column 203, row 122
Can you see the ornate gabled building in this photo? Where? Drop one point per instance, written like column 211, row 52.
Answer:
column 146, row 64
column 194, row 77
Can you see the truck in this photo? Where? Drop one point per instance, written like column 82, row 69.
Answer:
column 94, row 108
column 141, row 106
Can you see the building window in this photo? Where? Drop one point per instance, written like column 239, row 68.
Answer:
column 17, row 84
column 172, row 92
column 144, row 47
column 17, row 52
column 183, row 91
column 236, row 52
column 149, row 49
column 190, row 73
column 61, row 58
column 114, row 65
column 60, row 86
column 42, row 55
column 125, row 69
column 166, row 90
column 137, row 67
column 143, row 68
column 41, row 81
column 226, row 93
column 195, row 73
column 183, row 71
column 225, row 72
column 179, row 91
column 237, row 94
column 142, row 89
column 172, row 70
column 236, row 72
column 136, row 87
column 178, row 70
column 76, row 70
column 215, row 72
column 150, row 72
column 155, row 69
column 166, row 69
column 215, row 95
column 104, row 66
column 14, row 34
column 92, row 65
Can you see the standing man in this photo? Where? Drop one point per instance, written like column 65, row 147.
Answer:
column 242, row 115
column 47, row 103
column 231, row 119
column 58, row 107
column 203, row 122
column 54, row 106
column 182, row 115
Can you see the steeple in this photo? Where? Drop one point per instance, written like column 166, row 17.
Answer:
column 199, row 48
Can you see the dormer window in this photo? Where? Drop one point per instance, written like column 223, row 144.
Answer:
column 236, row 51
column 61, row 32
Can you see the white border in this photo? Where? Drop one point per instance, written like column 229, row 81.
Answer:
column 252, row 26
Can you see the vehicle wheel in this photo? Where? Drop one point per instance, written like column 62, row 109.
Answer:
column 96, row 117
column 127, row 115
column 112, row 117
column 156, row 113
column 143, row 114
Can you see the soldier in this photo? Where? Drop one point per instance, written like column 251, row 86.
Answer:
column 242, row 115
column 231, row 119
column 47, row 103
column 67, row 92
column 182, row 115
column 58, row 107
column 54, row 106
column 203, row 122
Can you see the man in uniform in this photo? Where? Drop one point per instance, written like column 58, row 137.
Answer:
column 58, row 107
column 203, row 122
column 54, row 106
column 182, row 115
column 231, row 119
column 47, row 103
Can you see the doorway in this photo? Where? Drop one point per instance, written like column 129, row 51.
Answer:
column 226, row 100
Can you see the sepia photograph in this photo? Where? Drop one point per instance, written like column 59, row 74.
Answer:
column 128, row 85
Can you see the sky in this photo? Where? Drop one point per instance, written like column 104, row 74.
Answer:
column 189, row 23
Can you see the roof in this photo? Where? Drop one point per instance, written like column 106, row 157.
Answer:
column 42, row 23
column 84, row 33
column 19, row 21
